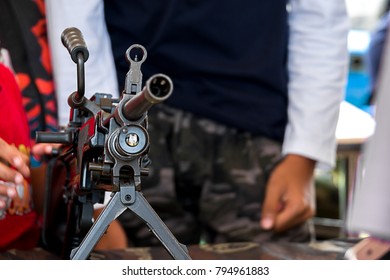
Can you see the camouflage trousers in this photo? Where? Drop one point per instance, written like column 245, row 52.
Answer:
column 206, row 182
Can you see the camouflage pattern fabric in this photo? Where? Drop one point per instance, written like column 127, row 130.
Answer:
column 206, row 182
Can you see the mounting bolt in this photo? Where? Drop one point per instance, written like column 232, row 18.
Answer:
column 132, row 140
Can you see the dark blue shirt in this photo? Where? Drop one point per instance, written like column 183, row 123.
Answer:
column 227, row 58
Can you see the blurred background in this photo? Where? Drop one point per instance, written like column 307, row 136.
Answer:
column 365, row 16
column 334, row 188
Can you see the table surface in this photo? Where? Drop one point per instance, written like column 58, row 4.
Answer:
column 354, row 125
column 320, row 250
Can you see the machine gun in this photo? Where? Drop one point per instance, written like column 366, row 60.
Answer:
column 104, row 148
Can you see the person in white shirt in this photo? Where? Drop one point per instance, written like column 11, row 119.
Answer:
column 257, row 91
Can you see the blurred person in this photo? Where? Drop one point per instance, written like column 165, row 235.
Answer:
column 23, row 34
column 21, row 186
column 19, row 221
column 25, row 53
column 257, row 91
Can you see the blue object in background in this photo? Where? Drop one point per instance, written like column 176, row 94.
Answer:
column 358, row 90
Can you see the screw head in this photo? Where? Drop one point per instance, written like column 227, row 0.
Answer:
column 132, row 139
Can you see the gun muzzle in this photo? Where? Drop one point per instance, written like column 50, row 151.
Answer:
column 157, row 89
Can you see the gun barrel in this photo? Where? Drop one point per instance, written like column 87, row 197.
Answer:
column 157, row 89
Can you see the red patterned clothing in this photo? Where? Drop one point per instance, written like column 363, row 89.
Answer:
column 19, row 229
column 23, row 34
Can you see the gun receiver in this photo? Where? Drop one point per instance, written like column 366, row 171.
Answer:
column 105, row 148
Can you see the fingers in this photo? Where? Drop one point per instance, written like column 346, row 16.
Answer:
column 9, row 174
column 289, row 198
column 283, row 210
column 7, row 191
column 294, row 213
column 271, row 207
column 21, row 163
column 14, row 165
column 42, row 149
column 285, row 206
column 283, row 215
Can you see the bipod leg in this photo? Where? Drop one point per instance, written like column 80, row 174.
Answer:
column 142, row 208
column 112, row 210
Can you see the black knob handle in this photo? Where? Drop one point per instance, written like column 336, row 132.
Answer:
column 73, row 40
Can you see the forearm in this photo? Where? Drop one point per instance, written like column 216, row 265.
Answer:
column 317, row 65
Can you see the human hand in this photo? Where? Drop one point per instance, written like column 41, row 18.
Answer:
column 42, row 149
column 7, row 192
column 14, row 167
column 289, row 198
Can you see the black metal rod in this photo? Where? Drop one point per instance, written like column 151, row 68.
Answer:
column 80, row 78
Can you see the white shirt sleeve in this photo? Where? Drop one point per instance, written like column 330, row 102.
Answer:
column 88, row 17
column 317, row 66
